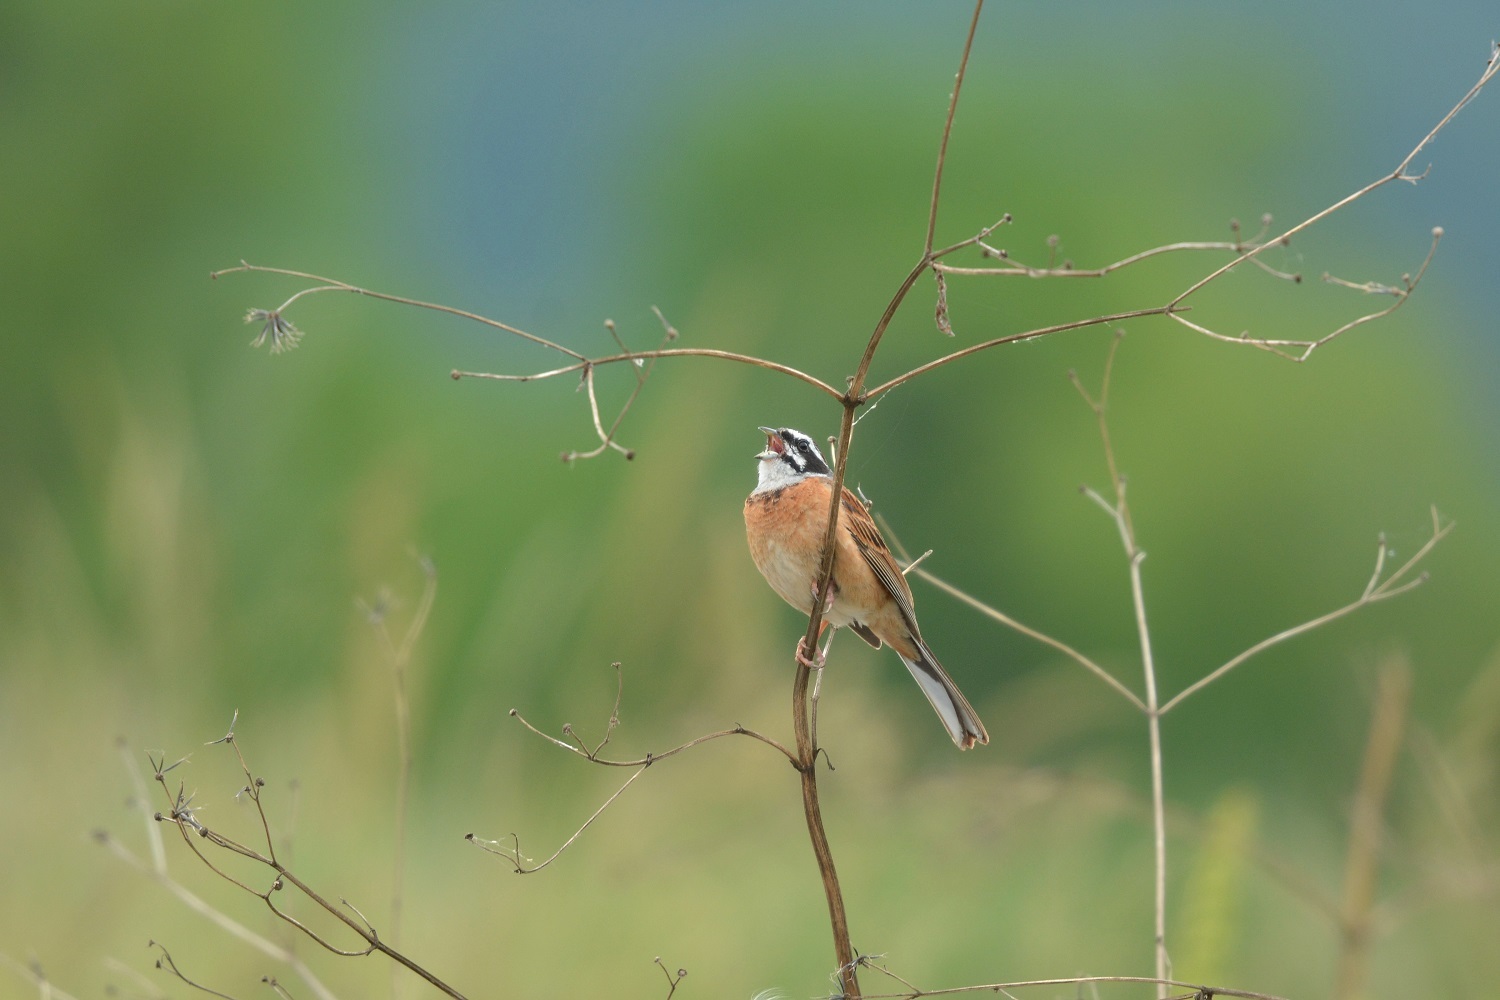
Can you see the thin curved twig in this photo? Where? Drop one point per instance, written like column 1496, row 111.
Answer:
column 335, row 285
column 1197, row 991
column 1014, row 338
column 958, row 82
column 593, row 757
column 671, row 352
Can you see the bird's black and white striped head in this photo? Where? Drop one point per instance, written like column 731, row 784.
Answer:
column 790, row 456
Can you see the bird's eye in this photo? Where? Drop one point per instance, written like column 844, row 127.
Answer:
column 804, row 447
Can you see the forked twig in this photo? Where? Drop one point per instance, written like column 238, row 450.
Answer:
column 802, row 724
column 1250, row 251
column 215, row 916
column 521, row 862
column 1119, row 511
column 671, row 352
column 592, row 754
column 1376, row 590
column 672, row 981
column 642, row 370
column 193, row 831
column 1015, row 268
column 165, row 963
column 1401, row 173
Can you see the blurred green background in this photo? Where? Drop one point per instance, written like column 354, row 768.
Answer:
column 189, row 524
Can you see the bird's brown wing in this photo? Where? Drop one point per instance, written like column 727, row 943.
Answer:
column 878, row 555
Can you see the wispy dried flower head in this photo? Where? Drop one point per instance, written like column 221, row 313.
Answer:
column 282, row 334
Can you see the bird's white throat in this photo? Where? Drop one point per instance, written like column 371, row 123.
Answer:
column 774, row 473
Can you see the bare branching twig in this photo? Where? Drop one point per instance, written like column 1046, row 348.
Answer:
column 165, row 963
column 524, row 865
column 673, row 980
column 1379, row 588
column 193, row 831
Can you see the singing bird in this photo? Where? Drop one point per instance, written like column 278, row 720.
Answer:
column 786, row 516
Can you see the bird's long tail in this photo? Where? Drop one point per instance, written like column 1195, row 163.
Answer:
column 958, row 716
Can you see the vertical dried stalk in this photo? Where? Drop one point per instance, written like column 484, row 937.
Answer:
column 1153, row 725
column 1387, row 727
column 853, row 398
column 807, row 736
column 1119, row 512
column 807, row 759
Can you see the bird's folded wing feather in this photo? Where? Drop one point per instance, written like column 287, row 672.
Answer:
column 878, row 555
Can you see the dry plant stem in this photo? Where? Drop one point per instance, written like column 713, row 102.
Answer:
column 672, row 981
column 1376, row 590
column 192, row 830
column 1104, row 675
column 1195, row 991
column 958, row 82
column 225, row 923
column 166, row 964
column 671, row 352
column 1399, row 174
column 334, row 285
column 1015, row 338
column 642, row 372
column 364, row 930
column 1017, row 269
column 1119, row 511
column 592, row 754
column 157, row 872
column 1387, row 727
column 520, row 861
column 1294, row 350
column 1304, row 348
column 802, row 726
column 1153, row 724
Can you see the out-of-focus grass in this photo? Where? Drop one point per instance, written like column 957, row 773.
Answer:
column 188, row 524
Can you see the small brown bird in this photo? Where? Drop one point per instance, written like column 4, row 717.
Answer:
column 785, row 517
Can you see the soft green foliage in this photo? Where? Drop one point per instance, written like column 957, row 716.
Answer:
column 188, row 523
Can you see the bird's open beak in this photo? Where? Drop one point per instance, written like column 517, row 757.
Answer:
column 774, row 445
